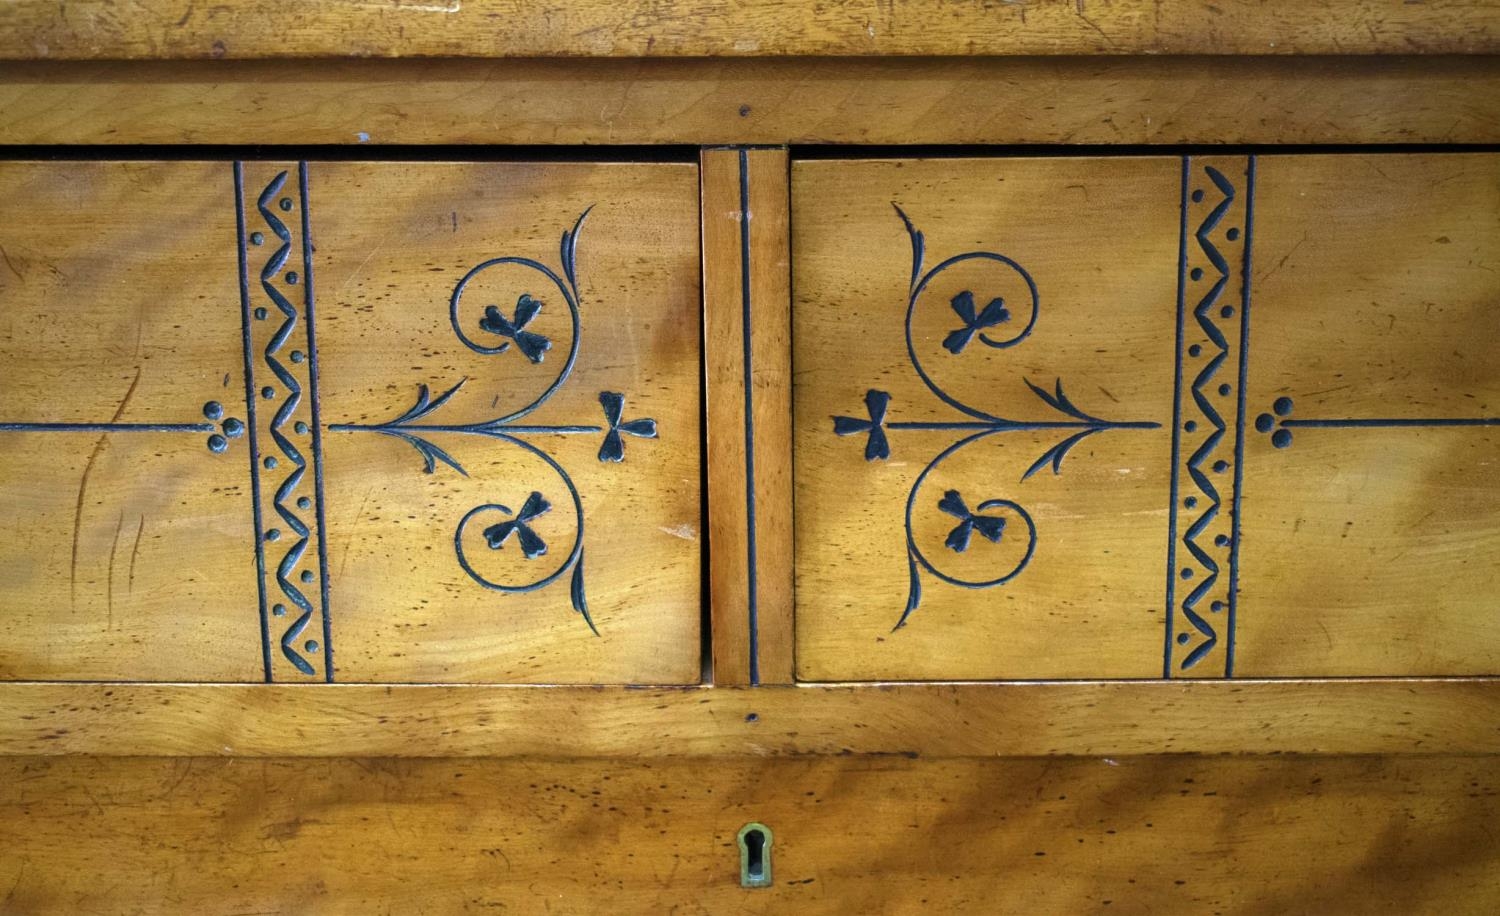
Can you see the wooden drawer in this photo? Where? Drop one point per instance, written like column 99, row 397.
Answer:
column 1141, row 417
column 337, row 420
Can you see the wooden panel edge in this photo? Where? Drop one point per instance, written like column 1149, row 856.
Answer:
column 747, row 354
column 862, row 835
column 371, row 104
column 170, row 29
column 1353, row 717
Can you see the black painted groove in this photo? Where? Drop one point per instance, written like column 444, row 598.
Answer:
column 1246, row 283
column 252, row 435
column 315, row 410
column 752, row 602
column 706, row 546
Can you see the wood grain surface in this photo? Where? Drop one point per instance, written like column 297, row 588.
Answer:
column 128, row 548
column 1061, row 100
column 1370, row 545
column 1386, row 716
column 1036, row 425
column 748, row 355
column 1116, row 835
column 157, row 29
column 393, row 240
column 214, row 463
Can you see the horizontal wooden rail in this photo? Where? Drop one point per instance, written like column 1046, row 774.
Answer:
column 369, row 104
column 931, row 720
column 158, row 29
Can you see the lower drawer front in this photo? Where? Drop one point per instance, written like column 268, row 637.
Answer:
column 306, row 421
column 850, row 835
column 1142, row 417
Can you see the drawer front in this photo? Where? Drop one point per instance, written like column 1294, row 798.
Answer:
column 1142, row 417
column 364, row 421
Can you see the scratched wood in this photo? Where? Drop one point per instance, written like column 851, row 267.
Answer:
column 571, row 406
column 1196, row 716
column 955, row 522
column 152, row 29
column 746, row 275
column 858, row 835
column 1110, row 100
column 1088, row 601
column 1370, row 548
column 125, row 551
column 446, row 430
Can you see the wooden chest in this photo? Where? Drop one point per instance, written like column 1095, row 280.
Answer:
column 842, row 458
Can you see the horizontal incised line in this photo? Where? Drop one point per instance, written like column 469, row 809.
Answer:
column 1438, row 421
column 108, row 427
column 1019, row 425
column 477, row 429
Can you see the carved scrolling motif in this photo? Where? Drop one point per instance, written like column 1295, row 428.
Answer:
column 414, row 426
column 1209, row 413
column 986, row 325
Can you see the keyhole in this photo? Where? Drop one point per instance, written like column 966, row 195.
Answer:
column 755, row 855
column 755, row 847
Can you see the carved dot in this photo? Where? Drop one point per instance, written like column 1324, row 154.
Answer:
column 1198, row 197
column 303, row 502
column 1227, row 311
column 1190, row 426
column 744, row 111
column 257, row 238
column 300, row 427
column 1195, row 350
column 1281, row 438
column 1190, row 502
column 298, row 356
column 270, row 463
column 1221, row 466
column 260, row 314
column 1283, row 407
column 291, row 277
column 1222, row 540
column 233, row 428
column 1182, row 639
column 1216, row 606
column 1232, row 234
column 268, row 392
column 311, row 645
column 307, row 575
column 279, row 610
column 213, row 410
column 1264, row 422
column 286, row 204
column 1225, row 389
column 1196, row 273
column 273, row 534
column 1187, row 574
column 752, row 717
column 217, row 443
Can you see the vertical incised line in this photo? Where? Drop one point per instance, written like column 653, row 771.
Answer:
column 1176, row 424
column 753, row 608
column 317, row 425
column 1239, row 430
column 250, row 425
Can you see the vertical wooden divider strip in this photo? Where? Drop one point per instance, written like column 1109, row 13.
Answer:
column 747, row 359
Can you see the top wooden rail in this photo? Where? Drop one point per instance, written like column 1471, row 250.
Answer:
column 251, row 29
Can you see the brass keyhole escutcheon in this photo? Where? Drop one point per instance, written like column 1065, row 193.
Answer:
column 755, row 855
